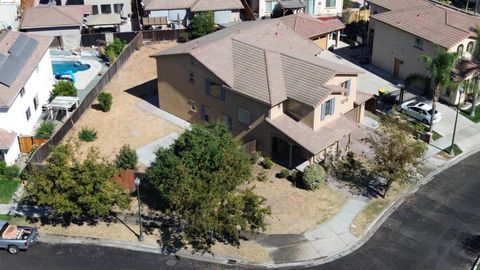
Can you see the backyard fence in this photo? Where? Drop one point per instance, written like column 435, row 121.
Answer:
column 154, row 36
column 27, row 143
column 44, row 150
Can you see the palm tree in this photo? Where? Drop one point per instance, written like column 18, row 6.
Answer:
column 440, row 68
column 473, row 88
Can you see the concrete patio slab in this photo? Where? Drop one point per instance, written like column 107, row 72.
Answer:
column 146, row 154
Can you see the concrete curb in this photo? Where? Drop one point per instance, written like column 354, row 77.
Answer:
column 58, row 239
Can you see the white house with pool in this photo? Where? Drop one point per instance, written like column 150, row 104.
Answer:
column 25, row 84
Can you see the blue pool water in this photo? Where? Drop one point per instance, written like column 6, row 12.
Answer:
column 65, row 67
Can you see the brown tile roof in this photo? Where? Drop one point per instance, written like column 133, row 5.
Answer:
column 311, row 140
column 438, row 24
column 310, row 27
column 397, row 4
column 168, row 4
column 362, row 97
column 6, row 139
column 54, row 16
column 194, row 5
column 8, row 93
column 465, row 69
column 291, row 4
column 265, row 60
column 206, row 5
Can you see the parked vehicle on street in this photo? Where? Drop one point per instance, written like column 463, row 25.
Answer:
column 420, row 111
column 15, row 238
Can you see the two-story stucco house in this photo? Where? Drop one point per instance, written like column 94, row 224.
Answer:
column 265, row 81
column 402, row 32
column 319, row 8
column 26, row 80
column 164, row 13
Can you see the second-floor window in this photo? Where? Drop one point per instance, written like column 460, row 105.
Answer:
column 35, row 102
column 243, row 116
column 330, row 3
column 22, row 92
column 470, row 47
column 28, row 114
column 106, row 9
column 94, row 10
column 460, row 49
column 328, row 108
column 191, row 77
column 270, row 5
column 214, row 89
column 205, row 114
column 418, row 43
column 117, row 8
column 346, row 85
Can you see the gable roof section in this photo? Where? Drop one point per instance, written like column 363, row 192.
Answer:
column 168, row 4
column 6, row 140
column 54, row 16
column 12, row 45
column 207, row 5
column 265, row 60
column 397, row 4
column 438, row 24
column 308, row 26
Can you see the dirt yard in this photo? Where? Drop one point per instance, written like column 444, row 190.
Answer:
column 295, row 210
column 125, row 123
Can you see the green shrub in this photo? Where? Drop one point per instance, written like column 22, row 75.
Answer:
column 116, row 46
column 203, row 23
column 87, row 134
column 262, row 176
column 183, row 37
column 105, row 100
column 9, row 172
column 254, row 157
column 313, row 176
column 283, row 173
column 111, row 56
column 45, row 130
column 267, row 163
column 126, row 158
column 64, row 88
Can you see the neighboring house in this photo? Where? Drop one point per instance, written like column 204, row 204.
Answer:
column 323, row 32
column 266, row 83
column 9, row 14
column 320, row 8
column 177, row 14
column 64, row 23
column 26, row 80
column 402, row 35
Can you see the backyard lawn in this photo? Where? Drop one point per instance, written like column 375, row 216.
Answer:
column 7, row 189
column 476, row 118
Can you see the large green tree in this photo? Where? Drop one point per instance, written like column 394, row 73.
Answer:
column 397, row 153
column 76, row 188
column 202, row 24
column 440, row 69
column 198, row 178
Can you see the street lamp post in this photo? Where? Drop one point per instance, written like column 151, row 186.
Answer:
column 137, row 185
column 454, row 130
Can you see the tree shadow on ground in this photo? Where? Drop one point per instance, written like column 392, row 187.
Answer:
column 359, row 175
column 66, row 220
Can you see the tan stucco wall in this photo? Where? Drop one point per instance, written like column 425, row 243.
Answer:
column 391, row 43
column 375, row 9
column 322, row 42
column 300, row 111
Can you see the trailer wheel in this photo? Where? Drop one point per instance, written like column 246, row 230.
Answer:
column 12, row 249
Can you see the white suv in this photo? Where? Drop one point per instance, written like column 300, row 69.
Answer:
column 420, row 111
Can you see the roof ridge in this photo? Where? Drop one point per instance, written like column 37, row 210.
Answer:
column 194, row 3
column 38, row 17
column 64, row 13
column 267, row 75
column 305, row 61
column 453, row 26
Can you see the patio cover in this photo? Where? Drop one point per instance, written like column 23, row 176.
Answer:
column 314, row 141
column 103, row 19
column 291, row 4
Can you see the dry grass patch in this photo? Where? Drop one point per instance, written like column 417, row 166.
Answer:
column 374, row 208
column 249, row 251
column 126, row 123
column 296, row 210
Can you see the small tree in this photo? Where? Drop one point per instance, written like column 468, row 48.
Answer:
column 472, row 88
column 64, row 88
column 76, row 188
column 105, row 100
column 198, row 179
column 313, row 176
column 202, row 24
column 45, row 130
column 397, row 153
column 116, row 46
column 111, row 56
column 126, row 158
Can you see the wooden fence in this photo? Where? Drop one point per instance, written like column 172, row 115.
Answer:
column 27, row 143
column 44, row 150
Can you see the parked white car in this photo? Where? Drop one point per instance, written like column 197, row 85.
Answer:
column 420, row 111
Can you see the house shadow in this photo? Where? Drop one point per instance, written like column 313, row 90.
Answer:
column 147, row 91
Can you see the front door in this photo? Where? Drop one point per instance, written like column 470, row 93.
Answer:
column 396, row 67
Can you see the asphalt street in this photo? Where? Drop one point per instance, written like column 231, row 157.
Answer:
column 436, row 228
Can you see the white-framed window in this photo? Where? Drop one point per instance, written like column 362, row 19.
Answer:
column 418, row 43
column 35, row 102
column 28, row 114
column 270, row 5
column 243, row 116
column 330, row 3
column 328, row 108
column 117, row 8
column 460, row 49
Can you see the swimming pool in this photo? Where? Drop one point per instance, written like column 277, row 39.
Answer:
column 65, row 67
